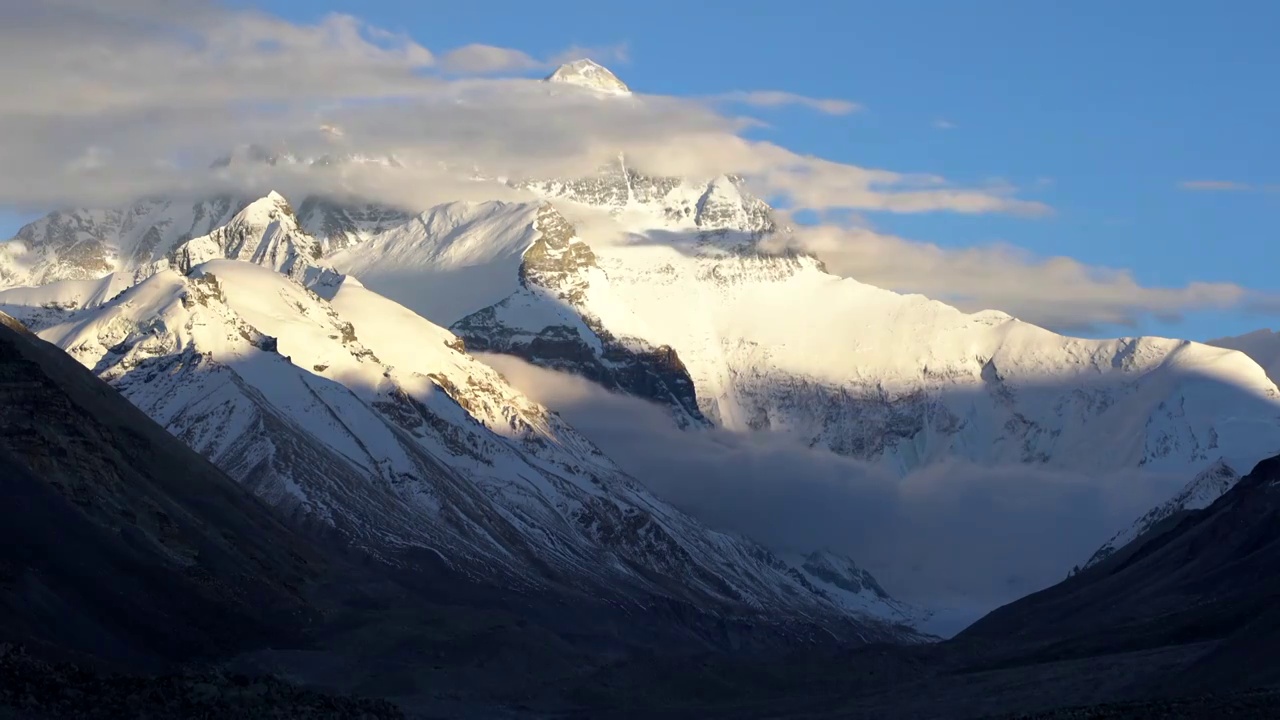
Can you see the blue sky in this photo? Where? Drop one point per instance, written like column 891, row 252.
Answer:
column 1099, row 109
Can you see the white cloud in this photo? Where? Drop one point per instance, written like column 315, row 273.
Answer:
column 479, row 59
column 943, row 535
column 821, row 184
column 618, row 53
column 72, row 59
column 943, row 124
column 103, row 103
column 161, row 88
column 1055, row 292
column 778, row 98
column 1214, row 185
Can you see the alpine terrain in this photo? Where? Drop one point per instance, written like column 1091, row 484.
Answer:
column 350, row 412
column 248, row 434
column 684, row 291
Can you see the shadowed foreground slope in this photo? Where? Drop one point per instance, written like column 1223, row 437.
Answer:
column 117, row 540
column 1182, row 623
column 120, row 545
column 1210, row 576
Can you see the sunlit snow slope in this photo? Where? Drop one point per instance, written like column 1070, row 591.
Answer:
column 349, row 410
column 772, row 342
column 682, row 291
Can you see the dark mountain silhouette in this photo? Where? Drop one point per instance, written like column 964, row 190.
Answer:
column 1181, row 623
column 1209, row 577
column 120, row 543
column 123, row 549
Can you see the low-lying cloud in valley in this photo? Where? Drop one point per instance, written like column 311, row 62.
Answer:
column 955, row 535
column 104, row 103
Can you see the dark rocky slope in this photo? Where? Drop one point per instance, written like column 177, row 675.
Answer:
column 1184, row 622
column 1211, row 576
column 117, row 541
column 120, row 545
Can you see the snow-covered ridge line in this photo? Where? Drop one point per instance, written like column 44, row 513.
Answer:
column 1211, row 484
column 908, row 380
column 899, row 380
column 1261, row 345
column 664, row 288
column 341, row 406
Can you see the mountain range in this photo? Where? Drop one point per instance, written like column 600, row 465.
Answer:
column 300, row 377
column 688, row 293
column 344, row 408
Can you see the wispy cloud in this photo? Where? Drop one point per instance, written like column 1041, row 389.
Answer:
column 942, row 124
column 917, row 533
column 184, row 80
column 481, row 59
column 1055, row 292
column 1215, row 185
column 821, row 184
column 617, row 53
column 778, row 98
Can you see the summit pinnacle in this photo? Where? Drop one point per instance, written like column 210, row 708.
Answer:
column 589, row 74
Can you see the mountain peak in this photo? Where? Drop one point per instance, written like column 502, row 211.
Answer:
column 591, row 75
column 261, row 212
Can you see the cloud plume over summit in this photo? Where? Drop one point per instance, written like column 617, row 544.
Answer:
column 104, row 103
column 140, row 92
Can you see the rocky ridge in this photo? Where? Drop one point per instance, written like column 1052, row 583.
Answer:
column 319, row 401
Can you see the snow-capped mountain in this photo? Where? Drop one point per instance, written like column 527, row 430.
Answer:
column 347, row 409
column 770, row 341
column 676, row 304
column 264, row 233
column 1212, row 483
column 71, row 260
column 684, row 291
column 1261, row 345
column 591, row 75
column 715, row 204
column 89, row 244
column 841, row 577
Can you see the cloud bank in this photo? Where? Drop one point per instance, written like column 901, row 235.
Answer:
column 1059, row 293
column 481, row 59
column 953, row 535
column 103, row 102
